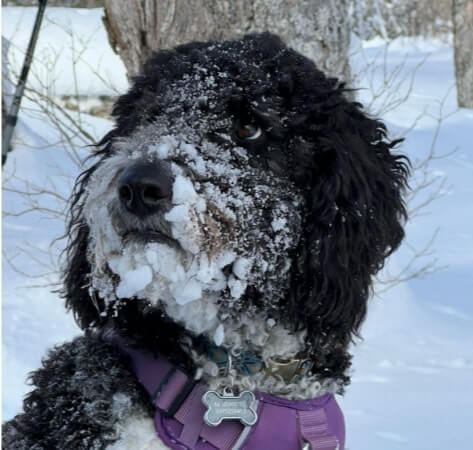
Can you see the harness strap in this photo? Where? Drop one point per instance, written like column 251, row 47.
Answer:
column 191, row 414
column 314, row 430
column 177, row 395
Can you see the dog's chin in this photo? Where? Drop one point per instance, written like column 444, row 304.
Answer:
column 144, row 237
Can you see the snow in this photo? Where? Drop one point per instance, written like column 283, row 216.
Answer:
column 134, row 281
column 241, row 267
column 219, row 335
column 179, row 213
column 67, row 34
column 183, row 191
column 237, row 287
column 187, row 292
column 278, row 224
column 412, row 373
column 162, row 150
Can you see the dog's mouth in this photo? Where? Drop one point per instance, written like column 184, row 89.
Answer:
column 148, row 236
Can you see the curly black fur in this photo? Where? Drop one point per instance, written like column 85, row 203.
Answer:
column 339, row 156
column 83, row 389
column 327, row 145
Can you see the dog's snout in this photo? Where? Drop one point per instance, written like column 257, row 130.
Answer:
column 144, row 188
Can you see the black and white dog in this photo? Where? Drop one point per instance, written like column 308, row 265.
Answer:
column 231, row 224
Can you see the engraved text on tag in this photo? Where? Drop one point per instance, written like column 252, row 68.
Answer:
column 227, row 406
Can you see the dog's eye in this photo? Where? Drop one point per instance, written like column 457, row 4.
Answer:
column 249, row 132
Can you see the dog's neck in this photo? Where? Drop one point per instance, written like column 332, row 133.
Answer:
column 275, row 356
column 262, row 337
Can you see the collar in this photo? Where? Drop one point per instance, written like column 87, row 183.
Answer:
column 247, row 363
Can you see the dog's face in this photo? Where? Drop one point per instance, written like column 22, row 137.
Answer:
column 239, row 176
column 187, row 207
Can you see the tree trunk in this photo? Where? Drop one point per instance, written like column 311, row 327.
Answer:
column 318, row 29
column 463, row 45
column 8, row 90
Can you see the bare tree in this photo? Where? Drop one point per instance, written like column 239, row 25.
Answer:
column 7, row 90
column 71, row 132
column 386, row 88
column 393, row 18
column 463, row 46
column 318, row 29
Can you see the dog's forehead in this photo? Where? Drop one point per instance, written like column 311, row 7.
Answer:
column 203, row 99
column 232, row 60
column 210, row 76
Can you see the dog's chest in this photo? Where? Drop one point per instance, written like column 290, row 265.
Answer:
column 137, row 433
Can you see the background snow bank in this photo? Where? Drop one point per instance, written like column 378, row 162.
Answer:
column 67, row 35
column 412, row 373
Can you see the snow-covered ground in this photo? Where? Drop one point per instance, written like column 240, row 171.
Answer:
column 413, row 373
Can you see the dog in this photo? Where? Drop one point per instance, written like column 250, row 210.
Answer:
column 225, row 236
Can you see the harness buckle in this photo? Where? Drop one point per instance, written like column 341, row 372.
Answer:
column 179, row 399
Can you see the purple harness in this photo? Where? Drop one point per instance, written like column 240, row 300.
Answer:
column 315, row 424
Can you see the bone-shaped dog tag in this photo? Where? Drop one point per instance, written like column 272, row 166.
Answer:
column 229, row 406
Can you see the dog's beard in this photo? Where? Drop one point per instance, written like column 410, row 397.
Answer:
column 219, row 236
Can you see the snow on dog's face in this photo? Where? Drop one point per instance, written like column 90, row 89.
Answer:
column 238, row 178
column 183, row 216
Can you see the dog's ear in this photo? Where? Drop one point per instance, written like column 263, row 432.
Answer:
column 354, row 184
column 76, row 268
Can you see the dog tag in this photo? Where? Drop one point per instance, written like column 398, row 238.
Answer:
column 227, row 406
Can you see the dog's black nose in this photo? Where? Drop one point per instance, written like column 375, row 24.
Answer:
column 144, row 188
